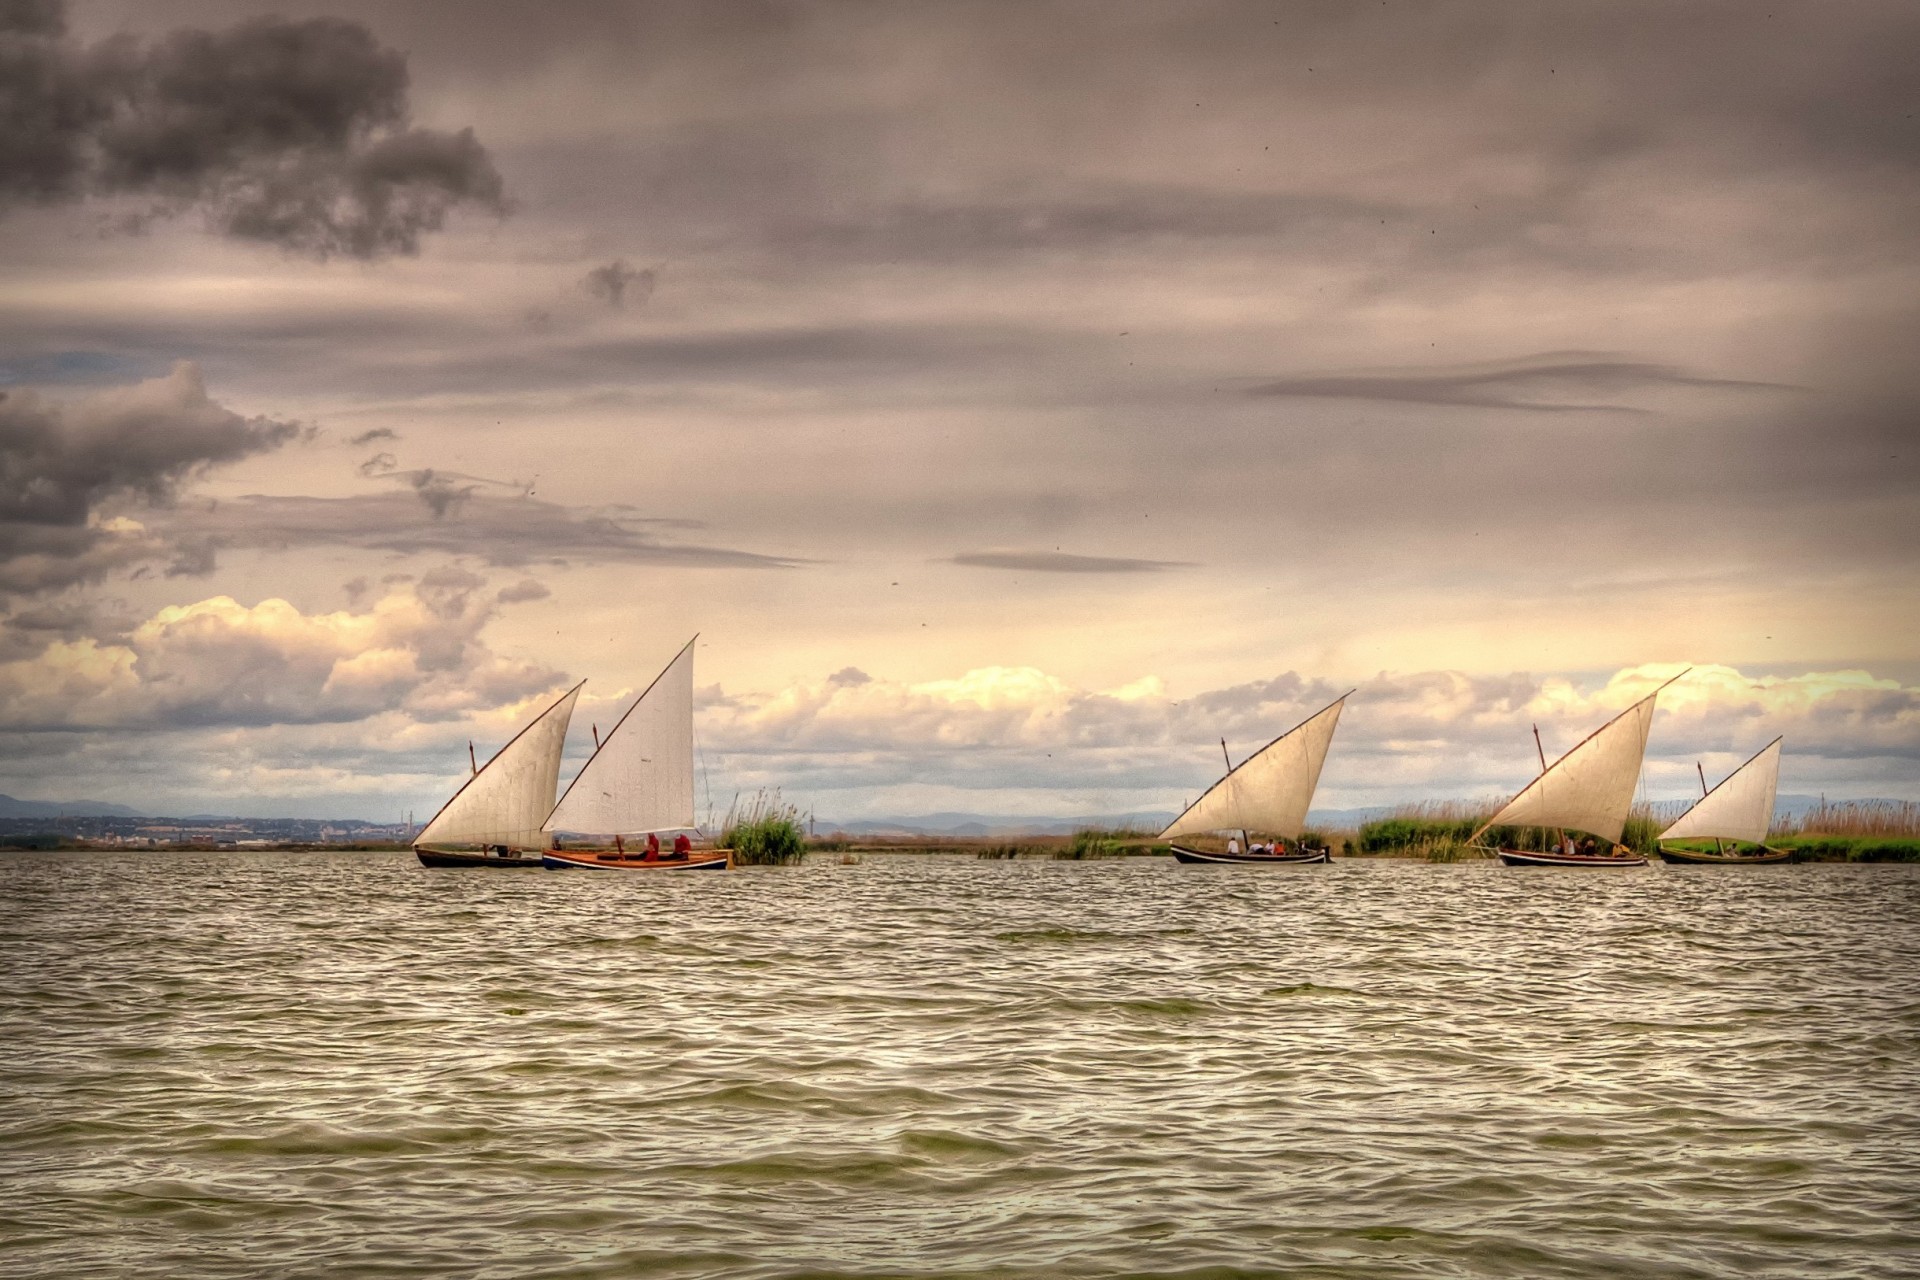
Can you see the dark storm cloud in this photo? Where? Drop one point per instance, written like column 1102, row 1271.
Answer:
column 1542, row 383
column 498, row 530
column 442, row 493
column 1061, row 562
column 292, row 133
column 61, row 464
column 614, row 281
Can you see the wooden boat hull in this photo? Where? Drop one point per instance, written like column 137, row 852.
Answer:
column 1515, row 858
column 494, row 861
column 718, row 860
column 1252, row 859
column 1684, row 858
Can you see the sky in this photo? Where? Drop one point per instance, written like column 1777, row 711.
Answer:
column 1017, row 400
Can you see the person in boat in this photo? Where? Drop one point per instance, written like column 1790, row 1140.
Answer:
column 1567, row 846
column 1233, row 844
column 653, row 847
column 1588, row 849
column 682, row 846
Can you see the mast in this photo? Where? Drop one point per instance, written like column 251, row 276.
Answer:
column 640, row 775
column 1271, row 789
column 503, row 801
column 1599, row 800
column 1740, row 808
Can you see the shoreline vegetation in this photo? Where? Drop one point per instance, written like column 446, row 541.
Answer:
column 765, row 830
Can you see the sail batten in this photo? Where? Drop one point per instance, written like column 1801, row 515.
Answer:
column 640, row 777
column 1271, row 790
column 507, row 800
column 1740, row 808
column 1591, row 787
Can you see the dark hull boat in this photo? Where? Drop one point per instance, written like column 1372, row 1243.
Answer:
column 1265, row 795
column 442, row 858
column 1589, row 789
column 1516, row 858
column 1257, row 859
column 496, row 813
column 1740, row 809
column 1765, row 858
column 707, row 860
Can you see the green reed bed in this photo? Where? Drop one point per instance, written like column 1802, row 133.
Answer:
column 1114, row 842
column 1438, row 831
column 764, row 832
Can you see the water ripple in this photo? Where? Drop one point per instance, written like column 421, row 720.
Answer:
column 229, row 1065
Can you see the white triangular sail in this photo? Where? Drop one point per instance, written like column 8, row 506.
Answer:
column 1740, row 808
column 1591, row 787
column 641, row 776
column 507, row 801
column 1271, row 789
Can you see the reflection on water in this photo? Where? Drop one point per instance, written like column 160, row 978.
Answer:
column 344, row 1065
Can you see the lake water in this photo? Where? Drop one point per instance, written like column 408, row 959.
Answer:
column 343, row 1065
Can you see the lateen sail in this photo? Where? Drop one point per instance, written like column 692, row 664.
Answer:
column 506, row 802
column 1591, row 787
column 1272, row 788
column 1740, row 808
column 641, row 777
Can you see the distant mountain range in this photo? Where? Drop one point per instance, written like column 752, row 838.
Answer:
column 976, row 825
column 11, row 808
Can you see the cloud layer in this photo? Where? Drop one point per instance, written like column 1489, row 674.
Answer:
column 292, row 133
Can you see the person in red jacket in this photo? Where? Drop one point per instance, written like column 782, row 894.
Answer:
column 682, row 846
column 653, row 846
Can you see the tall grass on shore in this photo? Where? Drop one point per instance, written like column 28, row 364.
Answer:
column 1854, row 818
column 1109, row 842
column 763, row 832
column 1438, row 831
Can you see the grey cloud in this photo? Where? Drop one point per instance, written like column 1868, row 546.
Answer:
column 441, row 492
column 522, row 591
column 614, row 281
column 499, row 530
column 293, row 133
column 1541, row 383
column 1062, row 562
column 378, row 465
column 62, row 463
column 368, row 437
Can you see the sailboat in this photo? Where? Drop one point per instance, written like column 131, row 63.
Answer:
column 639, row 779
column 1739, row 809
column 1268, row 792
column 1588, row 789
column 503, row 805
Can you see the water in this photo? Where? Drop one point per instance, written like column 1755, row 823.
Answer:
column 343, row 1065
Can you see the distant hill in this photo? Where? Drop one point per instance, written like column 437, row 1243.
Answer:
column 11, row 808
column 978, row 825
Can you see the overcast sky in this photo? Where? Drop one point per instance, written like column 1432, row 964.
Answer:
column 1017, row 398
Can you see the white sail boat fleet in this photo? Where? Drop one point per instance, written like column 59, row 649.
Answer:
column 639, row 780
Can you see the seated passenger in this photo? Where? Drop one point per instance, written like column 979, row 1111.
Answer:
column 682, row 846
column 653, row 847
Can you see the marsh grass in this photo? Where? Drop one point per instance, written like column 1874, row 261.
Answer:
column 1110, row 842
column 1438, row 831
column 1855, row 818
column 764, row 832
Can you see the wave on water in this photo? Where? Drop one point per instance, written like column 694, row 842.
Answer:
column 236, row 1065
